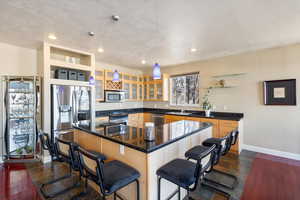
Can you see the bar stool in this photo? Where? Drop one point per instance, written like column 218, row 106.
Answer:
column 225, row 147
column 51, row 148
column 110, row 176
column 185, row 173
column 220, row 148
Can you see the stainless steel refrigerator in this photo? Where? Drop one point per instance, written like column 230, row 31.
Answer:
column 20, row 116
column 70, row 104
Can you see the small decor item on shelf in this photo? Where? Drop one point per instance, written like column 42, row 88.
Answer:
column 206, row 105
column 72, row 75
column 280, row 92
column 61, row 74
column 81, row 76
column 77, row 60
column 222, row 83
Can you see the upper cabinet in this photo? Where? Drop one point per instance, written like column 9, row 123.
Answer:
column 99, row 85
column 156, row 90
column 137, row 87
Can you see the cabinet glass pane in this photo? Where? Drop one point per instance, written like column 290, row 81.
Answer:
column 99, row 89
column 126, row 77
column 159, row 94
column 145, row 91
column 151, row 91
column 99, row 73
column 134, row 78
column 109, row 74
column 127, row 91
column 134, row 91
column 140, row 91
column 21, row 136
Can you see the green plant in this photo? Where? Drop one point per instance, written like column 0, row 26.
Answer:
column 19, row 151
column 28, row 149
column 206, row 105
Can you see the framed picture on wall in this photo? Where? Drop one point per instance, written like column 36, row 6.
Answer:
column 280, row 92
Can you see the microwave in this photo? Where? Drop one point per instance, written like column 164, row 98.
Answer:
column 114, row 96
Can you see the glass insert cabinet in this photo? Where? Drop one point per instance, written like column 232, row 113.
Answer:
column 21, row 108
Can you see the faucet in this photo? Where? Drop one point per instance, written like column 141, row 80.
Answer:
column 182, row 110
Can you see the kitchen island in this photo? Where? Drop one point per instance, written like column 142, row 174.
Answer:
column 127, row 144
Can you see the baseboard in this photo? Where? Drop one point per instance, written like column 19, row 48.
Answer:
column 272, row 152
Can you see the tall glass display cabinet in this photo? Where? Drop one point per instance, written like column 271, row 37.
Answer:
column 21, row 116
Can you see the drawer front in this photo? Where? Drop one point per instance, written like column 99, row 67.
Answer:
column 228, row 123
column 174, row 118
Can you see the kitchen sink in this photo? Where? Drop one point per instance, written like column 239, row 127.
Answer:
column 179, row 113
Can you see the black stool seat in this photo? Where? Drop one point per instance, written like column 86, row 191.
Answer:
column 196, row 152
column 118, row 175
column 178, row 171
column 212, row 141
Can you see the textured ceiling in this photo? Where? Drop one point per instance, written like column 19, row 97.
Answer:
column 154, row 30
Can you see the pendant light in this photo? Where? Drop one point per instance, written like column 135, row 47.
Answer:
column 116, row 76
column 92, row 80
column 156, row 71
column 156, row 67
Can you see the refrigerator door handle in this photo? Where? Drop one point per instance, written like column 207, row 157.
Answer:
column 73, row 107
column 76, row 106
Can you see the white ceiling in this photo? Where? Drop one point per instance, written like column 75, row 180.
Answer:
column 154, row 30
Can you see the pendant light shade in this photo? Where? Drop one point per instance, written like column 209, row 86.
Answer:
column 92, row 80
column 156, row 71
column 116, row 76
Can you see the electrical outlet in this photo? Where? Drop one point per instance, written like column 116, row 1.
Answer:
column 122, row 150
column 224, row 107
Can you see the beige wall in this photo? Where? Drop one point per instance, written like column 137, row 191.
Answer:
column 17, row 60
column 124, row 105
column 273, row 127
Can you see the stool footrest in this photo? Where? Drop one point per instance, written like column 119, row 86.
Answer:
column 225, row 194
column 235, row 179
column 52, row 195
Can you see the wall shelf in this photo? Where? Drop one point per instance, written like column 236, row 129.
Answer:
column 228, row 75
column 69, row 82
column 68, row 65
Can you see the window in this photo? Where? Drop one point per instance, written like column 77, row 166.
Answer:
column 185, row 89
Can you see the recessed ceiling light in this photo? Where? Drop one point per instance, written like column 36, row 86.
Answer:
column 193, row 49
column 100, row 50
column 52, row 36
column 91, row 33
column 143, row 62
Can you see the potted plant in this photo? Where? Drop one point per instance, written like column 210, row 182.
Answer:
column 206, row 105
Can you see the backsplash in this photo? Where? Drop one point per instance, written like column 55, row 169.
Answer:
column 114, row 106
column 166, row 105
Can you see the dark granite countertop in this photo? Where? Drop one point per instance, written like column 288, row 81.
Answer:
column 133, row 137
column 200, row 114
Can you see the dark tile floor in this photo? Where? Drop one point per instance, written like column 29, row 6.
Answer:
column 238, row 165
